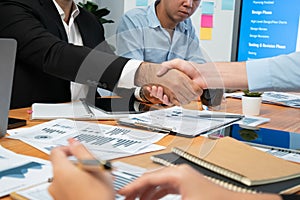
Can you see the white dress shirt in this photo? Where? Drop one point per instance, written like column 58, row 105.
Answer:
column 79, row 90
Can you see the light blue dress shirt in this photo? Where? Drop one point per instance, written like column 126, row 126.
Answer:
column 280, row 73
column 141, row 36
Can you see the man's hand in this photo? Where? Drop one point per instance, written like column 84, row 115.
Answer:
column 186, row 181
column 157, row 92
column 205, row 75
column 180, row 88
column 187, row 68
column 71, row 182
column 182, row 179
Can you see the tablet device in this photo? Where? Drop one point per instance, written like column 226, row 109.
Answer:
column 261, row 136
column 118, row 106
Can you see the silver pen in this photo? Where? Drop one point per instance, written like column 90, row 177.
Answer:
column 91, row 165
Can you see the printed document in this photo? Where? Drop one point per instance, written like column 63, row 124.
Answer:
column 18, row 171
column 105, row 141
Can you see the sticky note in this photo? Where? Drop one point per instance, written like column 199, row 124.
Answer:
column 207, row 7
column 227, row 4
column 141, row 2
column 205, row 33
column 207, row 21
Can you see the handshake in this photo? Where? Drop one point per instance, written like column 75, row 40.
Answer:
column 178, row 82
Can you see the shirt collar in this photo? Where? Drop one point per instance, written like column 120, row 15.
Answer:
column 154, row 22
column 74, row 14
column 152, row 17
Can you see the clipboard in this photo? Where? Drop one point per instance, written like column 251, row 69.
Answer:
column 179, row 121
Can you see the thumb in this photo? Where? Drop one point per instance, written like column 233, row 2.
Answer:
column 163, row 70
column 172, row 64
column 185, row 67
column 59, row 157
column 79, row 150
column 168, row 65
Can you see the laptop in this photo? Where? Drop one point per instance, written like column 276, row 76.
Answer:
column 8, row 49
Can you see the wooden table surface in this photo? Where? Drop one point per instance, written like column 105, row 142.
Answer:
column 282, row 118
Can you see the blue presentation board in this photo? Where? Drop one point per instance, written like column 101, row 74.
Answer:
column 268, row 28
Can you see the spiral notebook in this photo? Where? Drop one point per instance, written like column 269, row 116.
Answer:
column 283, row 187
column 241, row 163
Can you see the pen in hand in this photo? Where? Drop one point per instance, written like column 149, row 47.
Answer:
column 87, row 162
column 92, row 165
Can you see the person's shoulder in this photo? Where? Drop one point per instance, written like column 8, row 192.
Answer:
column 31, row 3
column 136, row 16
column 136, row 13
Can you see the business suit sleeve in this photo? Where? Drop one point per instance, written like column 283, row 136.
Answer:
column 44, row 51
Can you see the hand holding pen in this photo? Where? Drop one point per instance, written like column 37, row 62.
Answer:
column 79, row 182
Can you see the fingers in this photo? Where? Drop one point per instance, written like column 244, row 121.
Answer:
column 175, row 64
column 161, row 191
column 78, row 150
column 159, row 93
column 156, row 91
column 188, row 68
column 181, row 65
column 59, row 162
column 146, row 185
column 179, row 87
column 59, row 156
column 165, row 96
column 165, row 68
column 148, row 96
column 189, row 84
column 72, row 182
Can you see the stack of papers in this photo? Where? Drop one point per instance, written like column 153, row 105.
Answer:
column 104, row 141
column 188, row 123
column 73, row 110
column 278, row 98
column 123, row 175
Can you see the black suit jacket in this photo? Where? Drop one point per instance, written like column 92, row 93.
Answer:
column 45, row 62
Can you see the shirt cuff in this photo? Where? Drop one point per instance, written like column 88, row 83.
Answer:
column 259, row 74
column 137, row 94
column 128, row 74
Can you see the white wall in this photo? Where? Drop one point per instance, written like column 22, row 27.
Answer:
column 218, row 49
column 116, row 8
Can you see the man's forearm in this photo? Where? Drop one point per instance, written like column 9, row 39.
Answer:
column 234, row 74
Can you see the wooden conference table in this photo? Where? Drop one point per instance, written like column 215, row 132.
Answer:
column 282, row 118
